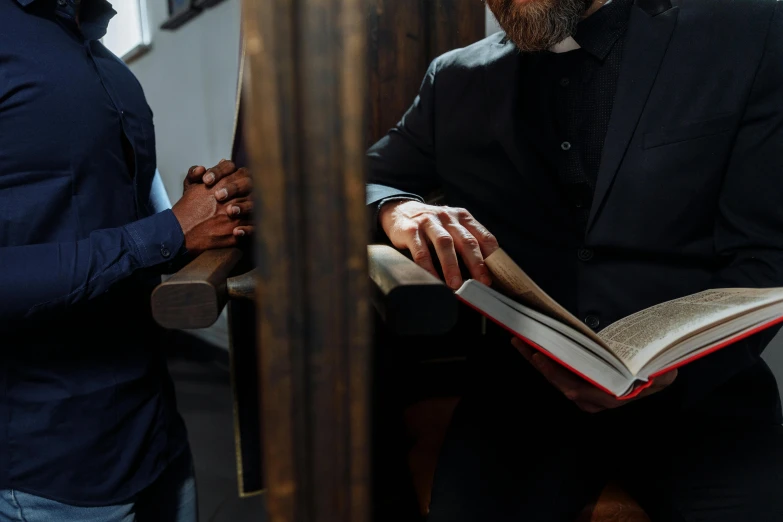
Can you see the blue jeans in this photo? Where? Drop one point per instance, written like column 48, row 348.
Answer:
column 171, row 498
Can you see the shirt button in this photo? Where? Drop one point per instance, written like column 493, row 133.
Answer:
column 592, row 321
column 61, row 2
column 578, row 204
column 165, row 252
column 564, row 82
column 585, row 254
column 565, row 145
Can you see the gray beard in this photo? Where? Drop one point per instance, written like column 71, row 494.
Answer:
column 538, row 24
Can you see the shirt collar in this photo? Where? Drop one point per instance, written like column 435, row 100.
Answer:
column 597, row 33
column 567, row 45
column 95, row 16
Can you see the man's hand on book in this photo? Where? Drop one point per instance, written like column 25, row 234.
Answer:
column 452, row 231
column 586, row 396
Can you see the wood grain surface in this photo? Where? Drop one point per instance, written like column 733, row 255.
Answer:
column 194, row 297
column 305, row 132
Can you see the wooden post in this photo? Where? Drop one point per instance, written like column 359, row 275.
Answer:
column 404, row 37
column 305, row 129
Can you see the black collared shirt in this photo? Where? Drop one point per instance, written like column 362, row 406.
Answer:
column 570, row 97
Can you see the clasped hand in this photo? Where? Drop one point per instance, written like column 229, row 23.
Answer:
column 216, row 208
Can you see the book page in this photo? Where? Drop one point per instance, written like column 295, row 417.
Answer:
column 638, row 338
column 517, row 284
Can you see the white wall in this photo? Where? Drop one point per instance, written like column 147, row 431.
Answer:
column 189, row 77
column 774, row 357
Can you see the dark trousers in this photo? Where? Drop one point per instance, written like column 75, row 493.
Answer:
column 520, row 452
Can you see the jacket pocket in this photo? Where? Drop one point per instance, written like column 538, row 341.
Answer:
column 690, row 131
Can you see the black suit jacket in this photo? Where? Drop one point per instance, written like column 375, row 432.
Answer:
column 689, row 190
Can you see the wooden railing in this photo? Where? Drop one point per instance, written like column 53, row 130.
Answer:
column 194, row 297
column 409, row 299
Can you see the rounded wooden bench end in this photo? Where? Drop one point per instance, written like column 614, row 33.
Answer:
column 614, row 505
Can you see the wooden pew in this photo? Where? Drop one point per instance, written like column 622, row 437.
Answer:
column 195, row 296
column 410, row 300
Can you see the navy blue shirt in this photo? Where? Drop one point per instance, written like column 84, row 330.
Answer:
column 87, row 410
column 68, row 8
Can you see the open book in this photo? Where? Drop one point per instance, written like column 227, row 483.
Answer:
column 623, row 358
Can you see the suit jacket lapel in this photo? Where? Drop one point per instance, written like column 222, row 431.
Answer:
column 646, row 43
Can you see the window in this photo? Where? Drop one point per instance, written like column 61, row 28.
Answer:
column 128, row 34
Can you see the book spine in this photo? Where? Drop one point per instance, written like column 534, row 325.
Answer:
column 634, row 392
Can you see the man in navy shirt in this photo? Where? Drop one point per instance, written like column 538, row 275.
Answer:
column 88, row 423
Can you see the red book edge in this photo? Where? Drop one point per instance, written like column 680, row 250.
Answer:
column 637, row 389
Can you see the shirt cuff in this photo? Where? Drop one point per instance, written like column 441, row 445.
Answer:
column 158, row 239
column 375, row 224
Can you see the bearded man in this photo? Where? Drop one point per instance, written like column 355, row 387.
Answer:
column 624, row 154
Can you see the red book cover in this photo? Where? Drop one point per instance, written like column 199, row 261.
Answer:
column 641, row 386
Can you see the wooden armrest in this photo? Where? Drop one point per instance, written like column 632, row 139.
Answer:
column 195, row 296
column 410, row 300
column 614, row 505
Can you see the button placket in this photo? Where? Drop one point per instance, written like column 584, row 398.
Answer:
column 592, row 321
column 585, row 254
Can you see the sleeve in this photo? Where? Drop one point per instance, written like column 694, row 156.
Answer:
column 45, row 277
column 749, row 227
column 159, row 198
column 402, row 163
